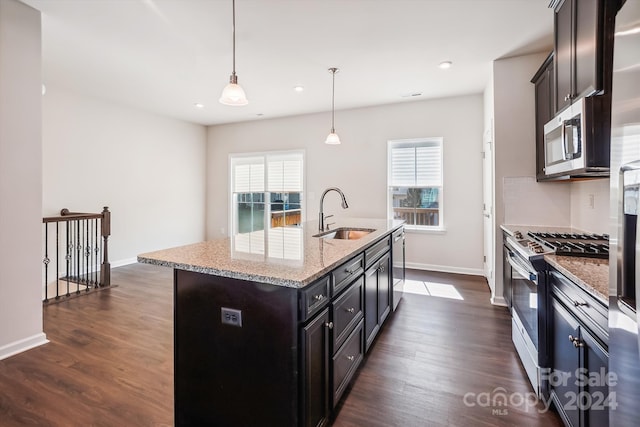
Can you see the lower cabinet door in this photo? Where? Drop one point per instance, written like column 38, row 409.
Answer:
column 315, row 371
column 565, row 363
column 594, row 398
column 346, row 362
column 384, row 288
column 371, row 325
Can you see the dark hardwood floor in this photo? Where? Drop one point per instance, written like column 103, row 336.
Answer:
column 110, row 361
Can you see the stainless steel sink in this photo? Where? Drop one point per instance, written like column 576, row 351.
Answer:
column 345, row 233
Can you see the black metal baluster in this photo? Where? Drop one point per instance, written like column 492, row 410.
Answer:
column 101, row 249
column 78, row 256
column 67, row 256
column 87, row 253
column 95, row 252
column 57, row 260
column 46, row 261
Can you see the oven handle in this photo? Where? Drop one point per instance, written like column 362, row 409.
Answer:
column 520, row 269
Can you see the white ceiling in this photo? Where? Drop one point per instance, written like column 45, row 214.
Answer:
column 166, row 55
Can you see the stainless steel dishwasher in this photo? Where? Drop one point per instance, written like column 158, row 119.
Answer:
column 398, row 266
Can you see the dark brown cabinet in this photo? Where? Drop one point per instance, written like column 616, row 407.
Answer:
column 578, row 379
column 332, row 341
column 377, row 297
column 566, row 358
column 579, row 49
column 290, row 352
column 544, row 81
column 315, row 357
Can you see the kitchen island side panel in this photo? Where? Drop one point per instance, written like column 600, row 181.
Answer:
column 229, row 375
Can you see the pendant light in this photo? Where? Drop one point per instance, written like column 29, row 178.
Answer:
column 233, row 94
column 333, row 137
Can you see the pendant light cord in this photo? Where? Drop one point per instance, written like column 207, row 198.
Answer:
column 233, row 30
column 333, row 99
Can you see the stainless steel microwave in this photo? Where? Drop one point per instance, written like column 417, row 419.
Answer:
column 576, row 143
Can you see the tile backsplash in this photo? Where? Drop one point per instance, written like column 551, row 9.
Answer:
column 580, row 204
column 532, row 203
column 590, row 205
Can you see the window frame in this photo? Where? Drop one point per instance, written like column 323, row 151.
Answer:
column 416, row 142
column 265, row 155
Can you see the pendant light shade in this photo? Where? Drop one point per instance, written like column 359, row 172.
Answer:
column 333, row 138
column 233, row 94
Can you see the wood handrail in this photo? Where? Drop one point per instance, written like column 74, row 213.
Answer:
column 66, row 215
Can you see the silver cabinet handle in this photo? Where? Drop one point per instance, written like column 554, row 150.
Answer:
column 318, row 297
column 576, row 341
column 351, row 310
column 329, row 325
column 578, row 303
column 351, row 358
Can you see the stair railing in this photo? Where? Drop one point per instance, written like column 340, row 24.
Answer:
column 76, row 253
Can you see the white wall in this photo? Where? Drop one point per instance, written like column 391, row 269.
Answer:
column 359, row 168
column 590, row 205
column 20, row 178
column 149, row 170
column 518, row 198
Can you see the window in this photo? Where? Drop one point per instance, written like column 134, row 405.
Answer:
column 266, row 191
column 415, row 182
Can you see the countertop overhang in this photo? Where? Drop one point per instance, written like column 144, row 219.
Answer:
column 285, row 256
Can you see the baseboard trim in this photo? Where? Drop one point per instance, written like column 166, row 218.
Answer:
column 123, row 262
column 499, row 301
column 445, row 269
column 24, row 344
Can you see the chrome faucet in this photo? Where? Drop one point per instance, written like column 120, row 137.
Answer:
column 321, row 217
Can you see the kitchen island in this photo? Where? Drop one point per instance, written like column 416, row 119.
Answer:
column 270, row 326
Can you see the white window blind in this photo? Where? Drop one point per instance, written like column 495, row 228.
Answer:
column 252, row 243
column 416, row 164
column 284, row 173
column 285, row 243
column 248, row 174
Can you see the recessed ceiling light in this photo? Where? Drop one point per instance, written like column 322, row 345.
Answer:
column 445, row 64
column 44, row 89
column 410, row 94
column 259, row 114
column 198, row 105
column 298, row 88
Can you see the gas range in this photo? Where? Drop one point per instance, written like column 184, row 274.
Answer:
column 535, row 245
column 575, row 244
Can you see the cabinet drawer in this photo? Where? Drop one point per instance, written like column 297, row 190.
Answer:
column 344, row 274
column 346, row 362
column 592, row 312
column 314, row 297
column 347, row 312
column 375, row 251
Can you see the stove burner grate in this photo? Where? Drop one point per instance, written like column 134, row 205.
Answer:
column 575, row 244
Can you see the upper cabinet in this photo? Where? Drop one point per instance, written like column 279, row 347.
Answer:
column 573, row 92
column 579, row 49
column 544, row 81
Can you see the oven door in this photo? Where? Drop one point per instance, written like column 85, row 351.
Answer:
column 524, row 294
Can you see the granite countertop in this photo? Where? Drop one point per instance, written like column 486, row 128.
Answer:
column 285, row 256
column 592, row 274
